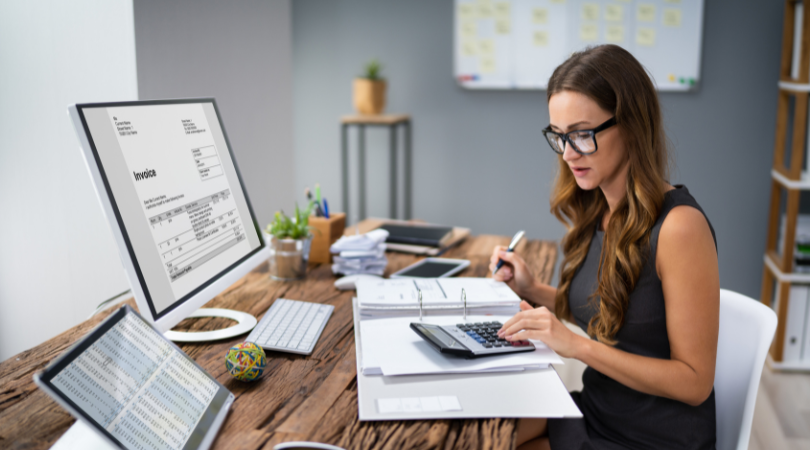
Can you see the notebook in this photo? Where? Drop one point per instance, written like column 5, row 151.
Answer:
column 431, row 235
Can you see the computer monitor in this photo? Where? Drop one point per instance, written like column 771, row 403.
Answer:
column 169, row 185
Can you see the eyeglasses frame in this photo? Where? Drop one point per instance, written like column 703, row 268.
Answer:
column 565, row 136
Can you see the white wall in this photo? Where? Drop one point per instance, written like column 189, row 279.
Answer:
column 57, row 257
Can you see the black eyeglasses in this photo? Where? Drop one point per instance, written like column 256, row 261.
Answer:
column 582, row 141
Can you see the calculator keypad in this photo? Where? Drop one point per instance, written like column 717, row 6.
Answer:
column 485, row 334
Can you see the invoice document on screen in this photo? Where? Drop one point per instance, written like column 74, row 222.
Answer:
column 183, row 189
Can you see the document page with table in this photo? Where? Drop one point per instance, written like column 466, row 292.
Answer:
column 176, row 163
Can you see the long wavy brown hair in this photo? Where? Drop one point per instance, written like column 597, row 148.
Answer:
column 618, row 83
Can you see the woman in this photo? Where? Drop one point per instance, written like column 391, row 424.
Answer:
column 639, row 271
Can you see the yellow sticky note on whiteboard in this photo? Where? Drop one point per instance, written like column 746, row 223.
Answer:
column 614, row 13
column 503, row 26
column 484, row 10
column 588, row 32
column 488, row 64
column 502, row 9
column 469, row 29
column 614, row 33
column 672, row 17
column 645, row 37
column 469, row 47
column 541, row 38
column 486, row 47
column 466, row 11
column 672, row 1
column 590, row 11
column 645, row 12
column 557, row 1
column 540, row 15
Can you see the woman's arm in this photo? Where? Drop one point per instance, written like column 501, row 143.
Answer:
column 515, row 272
column 686, row 262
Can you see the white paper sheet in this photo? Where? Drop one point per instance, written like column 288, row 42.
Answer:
column 418, row 404
column 390, row 347
column 435, row 292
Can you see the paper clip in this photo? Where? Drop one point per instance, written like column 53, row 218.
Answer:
column 464, row 300
column 420, row 303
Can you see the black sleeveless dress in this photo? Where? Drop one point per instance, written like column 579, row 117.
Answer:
column 614, row 415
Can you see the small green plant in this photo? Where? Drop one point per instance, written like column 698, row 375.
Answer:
column 297, row 227
column 373, row 69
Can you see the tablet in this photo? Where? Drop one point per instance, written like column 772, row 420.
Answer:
column 433, row 268
column 136, row 388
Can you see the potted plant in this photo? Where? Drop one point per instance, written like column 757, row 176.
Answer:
column 289, row 244
column 369, row 90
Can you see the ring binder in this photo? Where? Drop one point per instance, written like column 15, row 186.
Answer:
column 421, row 309
column 420, row 303
column 464, row 300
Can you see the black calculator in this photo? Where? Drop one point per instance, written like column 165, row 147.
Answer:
column 471, row 340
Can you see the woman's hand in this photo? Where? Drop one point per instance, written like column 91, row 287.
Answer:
column 544, row 326
column 514, row 272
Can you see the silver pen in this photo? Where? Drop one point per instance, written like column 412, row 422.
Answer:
column 512, row 245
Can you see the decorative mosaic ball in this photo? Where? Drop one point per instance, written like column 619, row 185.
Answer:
column 246, row 361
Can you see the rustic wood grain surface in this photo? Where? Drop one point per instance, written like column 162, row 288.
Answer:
column 299, row 397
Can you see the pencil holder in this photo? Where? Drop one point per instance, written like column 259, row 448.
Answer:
column 325, row 233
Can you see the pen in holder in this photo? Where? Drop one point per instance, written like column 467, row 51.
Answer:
column 420, row 304
column 464, row 300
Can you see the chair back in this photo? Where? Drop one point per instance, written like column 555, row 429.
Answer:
column 746, row 331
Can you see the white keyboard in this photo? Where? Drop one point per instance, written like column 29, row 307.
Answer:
column 291, row 326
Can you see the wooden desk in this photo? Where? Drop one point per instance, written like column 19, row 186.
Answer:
column 299, row 398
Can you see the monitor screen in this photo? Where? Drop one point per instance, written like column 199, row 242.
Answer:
column 176, row 193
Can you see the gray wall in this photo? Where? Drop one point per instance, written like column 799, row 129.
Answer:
column 479, row 157
column 239, row 53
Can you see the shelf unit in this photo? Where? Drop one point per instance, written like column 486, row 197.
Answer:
column 787, row 178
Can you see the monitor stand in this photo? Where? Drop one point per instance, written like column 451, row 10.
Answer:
column 246, row 322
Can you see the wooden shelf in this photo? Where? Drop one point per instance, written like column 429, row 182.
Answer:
column 787, row 178
column 793, row 277
column 794, row 87
column 382, row 119
column 803, row 184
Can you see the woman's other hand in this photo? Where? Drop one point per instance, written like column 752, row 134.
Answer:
column 541, row 324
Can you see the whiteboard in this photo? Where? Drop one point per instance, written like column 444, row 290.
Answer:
column 517, row 44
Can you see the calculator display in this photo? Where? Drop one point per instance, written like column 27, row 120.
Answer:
column 438, row 334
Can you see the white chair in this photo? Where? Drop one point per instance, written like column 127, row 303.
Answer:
column 746, row 331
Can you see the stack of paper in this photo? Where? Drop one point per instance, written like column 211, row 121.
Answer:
column 400, row 296
column 390, row 347
column 362, row 253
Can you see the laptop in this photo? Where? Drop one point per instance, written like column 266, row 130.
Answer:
column 136, row 388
